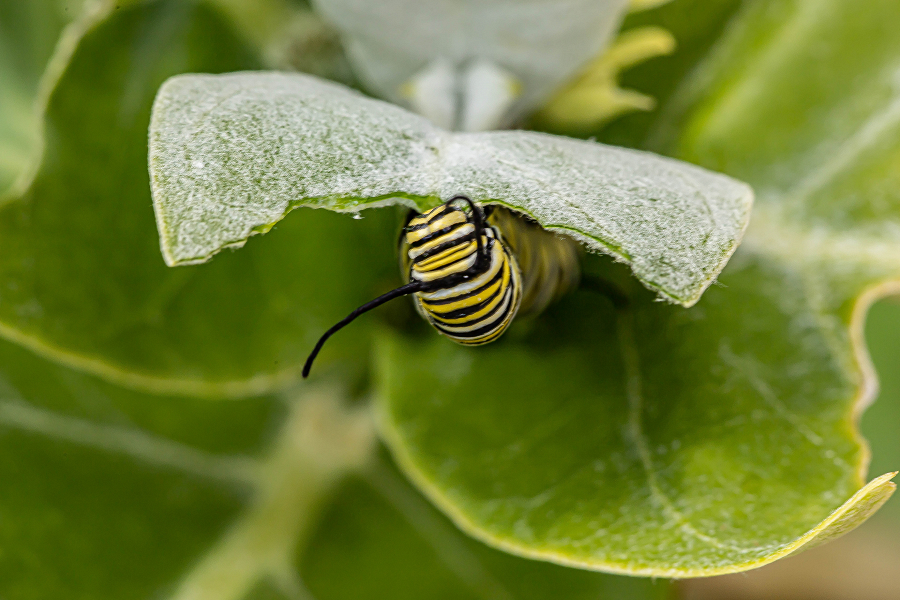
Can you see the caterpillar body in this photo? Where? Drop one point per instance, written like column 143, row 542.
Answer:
column 471, row 282
column 471, row 272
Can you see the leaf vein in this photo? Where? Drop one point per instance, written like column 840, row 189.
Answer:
column 136, row 443
column 634, row 393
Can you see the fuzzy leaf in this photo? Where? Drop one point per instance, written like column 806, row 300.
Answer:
column 231, row 154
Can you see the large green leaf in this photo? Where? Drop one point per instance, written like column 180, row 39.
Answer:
column 110, row 493
column 862, row 564
column 82, row 277
column 652, row 441
column 400, row 547
column 230, row 155
column 657, row 441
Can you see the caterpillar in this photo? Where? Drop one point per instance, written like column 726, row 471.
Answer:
column 471, row 272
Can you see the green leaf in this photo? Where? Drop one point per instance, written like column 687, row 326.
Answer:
column 231, row 154
column 82, row 277
column 656, row 441
column 666, row 448
column 400, row 547
column 111, row 493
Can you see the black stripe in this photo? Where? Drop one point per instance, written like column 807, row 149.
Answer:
column 441, row 247
column 492, row 316
column 462, row 313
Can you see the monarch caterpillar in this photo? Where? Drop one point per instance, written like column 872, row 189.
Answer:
column 472, row 272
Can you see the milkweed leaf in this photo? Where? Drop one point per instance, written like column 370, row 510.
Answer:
column 231, row 154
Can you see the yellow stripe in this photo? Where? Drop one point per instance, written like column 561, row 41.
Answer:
column 447, row 256
column 457, row 267
column 424, row 218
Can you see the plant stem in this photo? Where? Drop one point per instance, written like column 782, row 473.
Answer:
column 321, row 442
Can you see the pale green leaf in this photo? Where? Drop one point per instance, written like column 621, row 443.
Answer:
column 541, row 43
column 231, row 155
